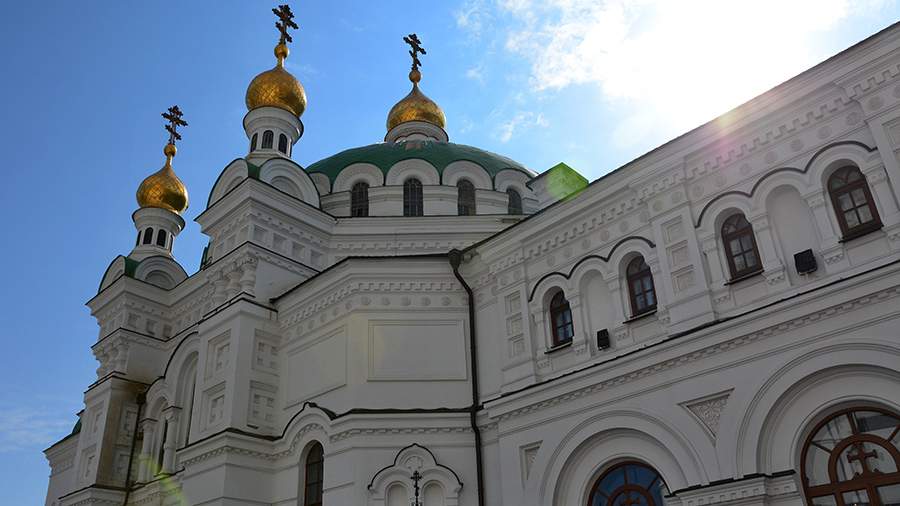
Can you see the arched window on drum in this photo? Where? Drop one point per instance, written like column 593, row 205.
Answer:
column 359, row 199
column 853, row 457
column 514, row 205
column 629, row 484
column 412, row 198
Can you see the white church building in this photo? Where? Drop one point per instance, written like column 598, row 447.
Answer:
column 419, row 322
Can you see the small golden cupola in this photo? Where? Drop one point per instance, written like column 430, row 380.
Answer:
column 163, row 189
column 415, row 106
column 277, row 87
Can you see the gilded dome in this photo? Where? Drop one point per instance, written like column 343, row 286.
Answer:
column 277, row 88
column 163, row 189
column 415, row 107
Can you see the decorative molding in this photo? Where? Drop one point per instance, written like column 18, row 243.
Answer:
column 705, row 353
column 708, row 410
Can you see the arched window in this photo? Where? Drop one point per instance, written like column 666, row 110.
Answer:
column 853, row 457
column 268, row 139
column 412, row 198
column 740, row 246
column 359, row 199
column 852, row 201
column 627, row 484
column 465, row 198
column 282, row 143
column 561, row 319
column 148, row 235
column 315, row 465
column 515, row 201
column 161, row 238
column 253, row 142
column 640, row 287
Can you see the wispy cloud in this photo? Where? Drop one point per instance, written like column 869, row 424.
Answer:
column 31, row 428
column 522, row 119
column 665, row 65
column 476, row 74
column 473, row 16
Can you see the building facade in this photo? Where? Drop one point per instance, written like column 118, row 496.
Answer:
column 417, row 320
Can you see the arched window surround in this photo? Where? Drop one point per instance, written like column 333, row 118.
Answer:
column 852, row 202
column 161, row 237
column 740, row 248
column 413, row 204
column 283, row 143
column 253, row 141
column 148, row 235
column 313, row 474
column 858, row 445
column 562, row 326
column 641, row 485
column 641, row 289
column 268, row 139
column 359, row 199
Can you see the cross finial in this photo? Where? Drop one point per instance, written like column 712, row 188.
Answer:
column 173, row 116
column 285, row 21
column 416, row 47
column 416, row 477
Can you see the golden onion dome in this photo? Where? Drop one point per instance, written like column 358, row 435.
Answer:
column 277, row 88
column 415, row 107
column 163, row 189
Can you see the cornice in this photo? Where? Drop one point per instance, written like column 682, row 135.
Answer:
column 827, row 313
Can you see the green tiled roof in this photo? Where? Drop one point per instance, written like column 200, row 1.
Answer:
column 438, row 154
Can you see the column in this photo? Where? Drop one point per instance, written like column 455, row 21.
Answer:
column 171, row 442
column 145, row 471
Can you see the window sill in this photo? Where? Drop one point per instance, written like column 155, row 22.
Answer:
column 742, row 277
column 640, row 316
column 861, row 232
column 558, row 347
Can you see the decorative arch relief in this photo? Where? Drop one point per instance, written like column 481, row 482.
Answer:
column 397, row 478
column 708, row 410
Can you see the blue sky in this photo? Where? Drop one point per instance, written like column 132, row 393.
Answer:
column 590, row 83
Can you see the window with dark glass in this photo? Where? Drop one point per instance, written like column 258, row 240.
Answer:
column 853, row 457
column 315, row 466
column 515, row 202
column 740, row 246
column 640, row 287
column 465, row 198
column 359, row 199
column 561, row 319
column 412, row 198
column 629, row 484
column 148, row 235
column 852, row 201
column 253, row 142
column 282, row 143
column 161, row 238
column 268, row 139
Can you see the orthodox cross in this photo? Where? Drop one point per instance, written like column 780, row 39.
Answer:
column 416, row 45
column 416, row 477
column 173, row 116
column 285, row 21
column 861, row 456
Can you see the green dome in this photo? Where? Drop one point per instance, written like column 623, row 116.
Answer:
column 438, row 154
